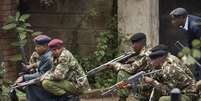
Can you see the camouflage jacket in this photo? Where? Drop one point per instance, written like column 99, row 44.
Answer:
column 173, row 59
column 66, row 67
column 139, row 61
column 172, row 76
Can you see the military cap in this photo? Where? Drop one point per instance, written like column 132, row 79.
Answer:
column 41, row 39
column 159, row 47
column 55, row 43
column 179, row 12
column 157, row 54
column 137, row 37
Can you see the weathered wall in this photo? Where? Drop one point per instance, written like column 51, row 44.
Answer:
column 139, row 16
column 7, row 7
column 70, row 20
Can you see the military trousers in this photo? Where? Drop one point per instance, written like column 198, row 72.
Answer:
column 59, row 87
column 122, row 75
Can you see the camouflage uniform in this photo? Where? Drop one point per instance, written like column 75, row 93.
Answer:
column 126, row 70
column 173, row 59
column 63, row 77
column 174, row 76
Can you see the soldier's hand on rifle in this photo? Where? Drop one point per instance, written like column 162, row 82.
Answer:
column 19, row 80
column 122, row 84
column 111, row 65
column 148, row 79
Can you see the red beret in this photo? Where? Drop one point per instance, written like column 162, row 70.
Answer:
column 55, row 43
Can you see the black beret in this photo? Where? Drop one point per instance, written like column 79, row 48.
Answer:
column 179, row 12
column 160, row 47
column 157, row 54
column 41, row 39
column 137, row 37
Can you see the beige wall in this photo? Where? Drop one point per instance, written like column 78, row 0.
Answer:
column 139, row 16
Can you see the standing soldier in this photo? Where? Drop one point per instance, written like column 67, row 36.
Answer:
column 63, row 77
column 191, row 26
column 133, row 66
column 171, row 76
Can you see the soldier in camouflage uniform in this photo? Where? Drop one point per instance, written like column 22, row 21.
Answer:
column 63, row 77
column 173, row 59
column 133, row 66
column 172, row 75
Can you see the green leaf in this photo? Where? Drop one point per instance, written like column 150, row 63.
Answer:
column 196, row 53
column 15, row 58
column 196, row 43
column 36, row 33
column 9, row 26
column 17, row 16
column 20, row 29
column 22, row 35
column 28, row 30
column 27, row 24
column 186, row 50
column 24, row 17
column 10, row 19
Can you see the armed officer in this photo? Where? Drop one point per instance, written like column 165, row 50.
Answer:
column 63, row 77
column 133, row 66
column 171, row 76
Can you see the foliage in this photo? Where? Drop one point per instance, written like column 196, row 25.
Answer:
column 18, row 24
column 102, row 54
column 190, row 54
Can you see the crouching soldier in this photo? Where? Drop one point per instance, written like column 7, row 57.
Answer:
column 171, row 76
column 132, row 66
column 62, row 79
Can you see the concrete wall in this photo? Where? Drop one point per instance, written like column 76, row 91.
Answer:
column 70, row 21
column 139, row 16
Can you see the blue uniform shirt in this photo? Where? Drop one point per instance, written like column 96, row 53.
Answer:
column 43, row 65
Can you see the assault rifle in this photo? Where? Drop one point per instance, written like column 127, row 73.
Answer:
column 129, row 81
column 26, row 83
column 104, row 66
